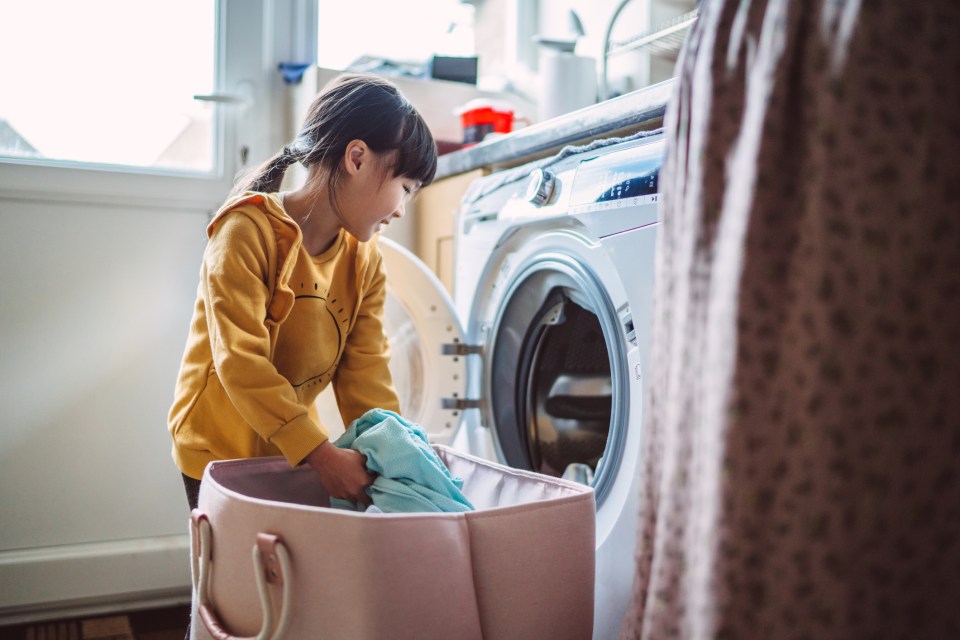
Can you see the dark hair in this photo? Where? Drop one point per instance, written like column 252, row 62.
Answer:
column 353, row 107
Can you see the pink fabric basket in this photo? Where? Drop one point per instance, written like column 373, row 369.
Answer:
column 271, row 559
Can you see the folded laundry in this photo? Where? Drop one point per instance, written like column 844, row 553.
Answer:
column 410, row 475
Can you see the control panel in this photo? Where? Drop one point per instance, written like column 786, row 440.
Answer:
column 624, row 178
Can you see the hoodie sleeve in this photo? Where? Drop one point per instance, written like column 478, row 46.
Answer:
column 237, row 296
column 363, row 381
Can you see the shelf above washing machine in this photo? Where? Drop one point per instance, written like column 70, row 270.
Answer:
column 635, row 111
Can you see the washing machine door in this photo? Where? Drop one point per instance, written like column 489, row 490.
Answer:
column 426, row 344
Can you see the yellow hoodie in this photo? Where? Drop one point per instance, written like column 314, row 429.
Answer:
column 271, row 328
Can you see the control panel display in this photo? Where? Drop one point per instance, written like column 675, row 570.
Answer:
column 618, row 179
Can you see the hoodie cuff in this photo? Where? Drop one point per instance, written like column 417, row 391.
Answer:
column 297, row 438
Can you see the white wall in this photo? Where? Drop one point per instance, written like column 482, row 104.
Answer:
column 96, row 302
column 96, row 299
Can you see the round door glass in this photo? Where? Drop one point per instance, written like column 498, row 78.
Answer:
column 557, row 380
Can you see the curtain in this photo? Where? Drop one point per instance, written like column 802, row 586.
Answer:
column 801, row 460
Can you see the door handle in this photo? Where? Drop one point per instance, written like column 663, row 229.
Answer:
column 222, row 98
column 242, row 97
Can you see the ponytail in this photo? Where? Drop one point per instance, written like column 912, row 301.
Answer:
column 268, row 176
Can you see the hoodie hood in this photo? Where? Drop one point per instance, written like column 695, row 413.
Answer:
column 266, row 209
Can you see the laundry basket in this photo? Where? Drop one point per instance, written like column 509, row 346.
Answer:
column 272, row 560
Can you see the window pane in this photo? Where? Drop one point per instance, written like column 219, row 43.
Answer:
column 108, row 81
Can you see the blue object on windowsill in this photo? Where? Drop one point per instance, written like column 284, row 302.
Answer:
column 293, row 71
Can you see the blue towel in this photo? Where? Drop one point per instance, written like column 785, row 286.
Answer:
column 411, row 477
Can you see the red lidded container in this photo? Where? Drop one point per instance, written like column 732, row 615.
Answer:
column 480, row 117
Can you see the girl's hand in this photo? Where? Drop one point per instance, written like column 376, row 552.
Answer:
column 343, row 472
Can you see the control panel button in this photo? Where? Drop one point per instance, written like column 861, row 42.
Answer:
column 541, row 187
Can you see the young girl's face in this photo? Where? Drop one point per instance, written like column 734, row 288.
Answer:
column 372, row 196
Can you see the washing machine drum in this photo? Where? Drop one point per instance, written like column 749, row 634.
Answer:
column 552, row 383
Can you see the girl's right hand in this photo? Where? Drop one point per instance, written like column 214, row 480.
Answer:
column 343, row 472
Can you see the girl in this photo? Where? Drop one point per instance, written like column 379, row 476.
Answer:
column 292, row 289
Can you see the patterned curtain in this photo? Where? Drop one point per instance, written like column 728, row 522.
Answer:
column 802, row 439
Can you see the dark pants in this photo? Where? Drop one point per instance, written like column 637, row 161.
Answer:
column 192, row 488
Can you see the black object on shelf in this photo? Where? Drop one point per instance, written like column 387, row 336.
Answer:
column 454, row 69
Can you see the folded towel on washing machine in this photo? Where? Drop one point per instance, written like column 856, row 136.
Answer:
column 410, row 475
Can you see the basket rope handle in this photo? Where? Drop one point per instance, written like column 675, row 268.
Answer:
column 272, row 571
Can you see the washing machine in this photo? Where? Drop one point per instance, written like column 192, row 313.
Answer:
column 539, row 360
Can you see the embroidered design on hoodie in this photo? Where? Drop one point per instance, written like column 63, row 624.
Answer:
column 308, row 361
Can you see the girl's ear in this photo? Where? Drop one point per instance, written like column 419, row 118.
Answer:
column 356, row 155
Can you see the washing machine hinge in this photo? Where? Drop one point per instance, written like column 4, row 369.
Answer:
column 459, row 403
column 460, row 349
column 629, row 329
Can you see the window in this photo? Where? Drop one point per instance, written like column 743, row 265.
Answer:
column 109, row 82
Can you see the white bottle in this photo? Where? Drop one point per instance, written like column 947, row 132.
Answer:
column 567, row 82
